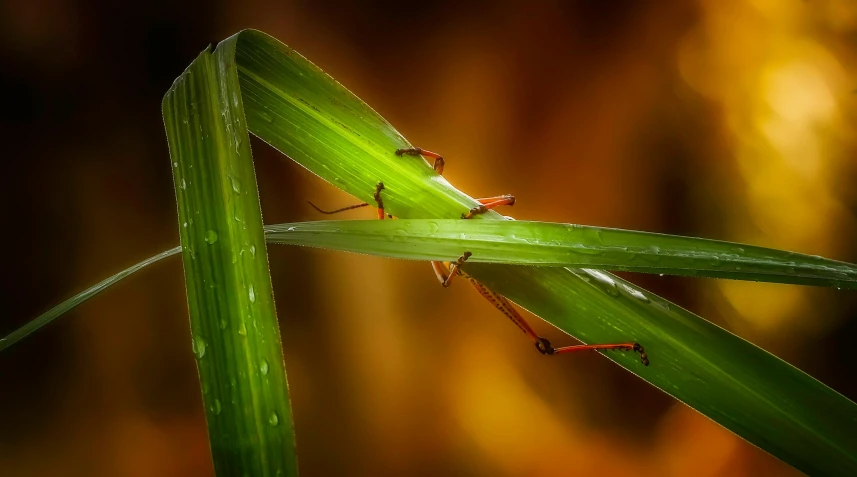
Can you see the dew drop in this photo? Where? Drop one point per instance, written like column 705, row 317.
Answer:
column 216, row 407
column 607, row 284
column 242, row 328
column 222, row 324
column 199, row 347
column 274, row 419
column 636, row 294
column 236, row 185
column 210, row 237
column 253, row 250
column 252, row 293
column 263, row 367
column 184, row 185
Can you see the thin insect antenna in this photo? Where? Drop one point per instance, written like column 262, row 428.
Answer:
column 329, row 212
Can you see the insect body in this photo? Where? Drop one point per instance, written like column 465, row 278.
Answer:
column 446, row 271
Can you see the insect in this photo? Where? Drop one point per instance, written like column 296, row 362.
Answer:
column 446, row 271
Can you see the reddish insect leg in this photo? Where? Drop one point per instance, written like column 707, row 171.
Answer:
column 489, row 203
column 486, row 204
column 418, row 151
column 505, row 306
column 621, row 346
column 445, row 273
column 378, row 200
column 542, row 344
column 343, row 209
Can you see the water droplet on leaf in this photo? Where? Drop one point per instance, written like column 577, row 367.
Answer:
column 236, row 185
column 607, row 284
column 199, row 347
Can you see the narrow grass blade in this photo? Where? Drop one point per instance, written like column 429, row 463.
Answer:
column 81, row 297
column 236, row 337
column 297, row 108
column 551, row 244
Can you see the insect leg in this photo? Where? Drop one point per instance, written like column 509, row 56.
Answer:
column 378, row 200
column 620, row 346
column 489, row 203
column 343, row 209
column 542, row 344
column 446, row 272
column 418, row 151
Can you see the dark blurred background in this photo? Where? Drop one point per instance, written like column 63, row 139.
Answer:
column 724, row 119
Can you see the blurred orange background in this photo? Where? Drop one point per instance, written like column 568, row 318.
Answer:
column 729, row 119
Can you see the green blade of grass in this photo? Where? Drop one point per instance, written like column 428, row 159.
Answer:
column 551, row 244
column 81, row 297
column 529, row 243
column 294, row 106
column 236, row 337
